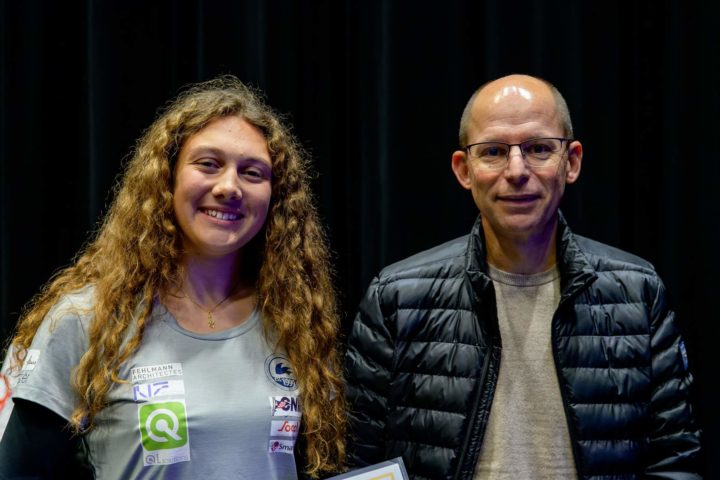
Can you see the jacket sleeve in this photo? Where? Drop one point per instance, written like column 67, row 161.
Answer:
column 368, row 365
column 675, row 436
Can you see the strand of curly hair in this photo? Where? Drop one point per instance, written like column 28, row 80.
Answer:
column 136, row 254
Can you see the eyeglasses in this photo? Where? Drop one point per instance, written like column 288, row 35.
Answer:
column 537, row 152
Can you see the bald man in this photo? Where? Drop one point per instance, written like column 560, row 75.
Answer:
column 522, row 350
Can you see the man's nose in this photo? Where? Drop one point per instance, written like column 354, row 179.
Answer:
column 516, row 167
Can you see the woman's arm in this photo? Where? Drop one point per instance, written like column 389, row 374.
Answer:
column 39, row 444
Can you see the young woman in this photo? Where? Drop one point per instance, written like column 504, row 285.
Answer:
column 195, row 336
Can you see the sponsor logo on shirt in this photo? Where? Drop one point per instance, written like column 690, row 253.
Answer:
column 8, row 380
column 31, row 359
column 285, row 406
column 164, row 433
column 151, row 372
column 145, row 392
column 281, row 446
column 279, row 371
column 284, row 428
column 5, row 391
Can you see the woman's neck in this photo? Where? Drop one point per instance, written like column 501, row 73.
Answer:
column 211, row 279
column 215, row 294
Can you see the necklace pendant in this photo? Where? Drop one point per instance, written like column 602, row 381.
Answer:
column 211, row 321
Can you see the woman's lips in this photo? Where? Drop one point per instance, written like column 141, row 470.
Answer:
column 221, row 215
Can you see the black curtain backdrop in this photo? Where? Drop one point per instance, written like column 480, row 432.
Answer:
column 375, row 91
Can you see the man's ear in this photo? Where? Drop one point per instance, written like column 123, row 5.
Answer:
column 575, row 155
column 460, row 168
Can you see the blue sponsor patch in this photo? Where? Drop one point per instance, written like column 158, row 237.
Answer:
column 279, row 371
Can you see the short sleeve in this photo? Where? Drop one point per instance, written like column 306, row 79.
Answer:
column 55, row 351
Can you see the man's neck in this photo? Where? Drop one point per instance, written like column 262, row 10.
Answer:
column 523, row 254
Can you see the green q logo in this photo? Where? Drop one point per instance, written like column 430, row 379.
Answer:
column 163, row 426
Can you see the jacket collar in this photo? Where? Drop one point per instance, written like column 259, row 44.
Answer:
column 576, row 272
column 476, row 255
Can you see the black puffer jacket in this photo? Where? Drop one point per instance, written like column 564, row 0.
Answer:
column 423, row 359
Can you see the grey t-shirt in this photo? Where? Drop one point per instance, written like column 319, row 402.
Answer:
column 219, row 405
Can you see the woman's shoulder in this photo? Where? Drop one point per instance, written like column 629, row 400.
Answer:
column 81, row 299
column 73, row 309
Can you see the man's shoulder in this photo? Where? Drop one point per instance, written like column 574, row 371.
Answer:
column 606, row 257
column 447, row 257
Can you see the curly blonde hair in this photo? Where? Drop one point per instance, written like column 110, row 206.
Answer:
column 136, row 254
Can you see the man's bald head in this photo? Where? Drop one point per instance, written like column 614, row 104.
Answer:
column 505, row 82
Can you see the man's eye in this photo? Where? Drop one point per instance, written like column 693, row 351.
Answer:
column 494, row 151
column 539, row 148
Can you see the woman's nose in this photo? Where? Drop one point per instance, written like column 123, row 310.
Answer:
column 228, row 185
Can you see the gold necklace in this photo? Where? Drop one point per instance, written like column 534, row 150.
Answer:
column 210, row 320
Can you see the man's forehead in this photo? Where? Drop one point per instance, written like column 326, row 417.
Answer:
column 511, row 90
column 526, row 106
column 522, row 87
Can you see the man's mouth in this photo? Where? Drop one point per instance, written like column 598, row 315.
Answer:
column 518, row 198
column 221, row 215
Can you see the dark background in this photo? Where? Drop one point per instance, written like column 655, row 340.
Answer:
column 375, row 91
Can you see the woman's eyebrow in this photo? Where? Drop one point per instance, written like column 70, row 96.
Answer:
column 199, row 150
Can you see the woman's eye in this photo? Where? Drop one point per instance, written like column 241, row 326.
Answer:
column 207, row 163
column 255, row 174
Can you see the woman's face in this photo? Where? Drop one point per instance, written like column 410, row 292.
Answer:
column 222, row 187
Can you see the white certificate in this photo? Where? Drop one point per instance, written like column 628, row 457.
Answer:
column 390, row 470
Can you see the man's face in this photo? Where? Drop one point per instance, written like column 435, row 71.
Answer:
column 517, row 202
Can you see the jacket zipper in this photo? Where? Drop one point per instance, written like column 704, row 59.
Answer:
column 474, row 413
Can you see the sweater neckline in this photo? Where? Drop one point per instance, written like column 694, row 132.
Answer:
column 524, row 280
